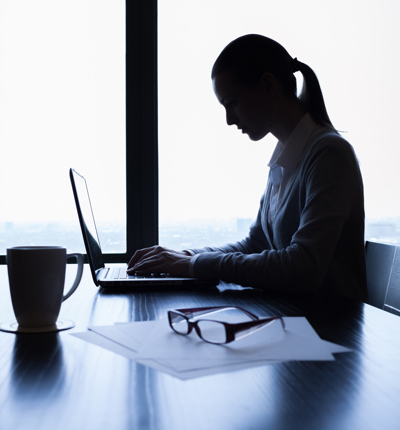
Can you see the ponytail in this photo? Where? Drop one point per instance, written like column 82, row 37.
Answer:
column 248, row 57
column 311, row 97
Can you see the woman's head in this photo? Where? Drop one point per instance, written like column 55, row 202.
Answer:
column 247, row 59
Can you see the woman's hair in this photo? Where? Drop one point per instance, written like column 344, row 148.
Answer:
column 248, row 57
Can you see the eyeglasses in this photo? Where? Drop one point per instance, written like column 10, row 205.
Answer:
column 212, row 331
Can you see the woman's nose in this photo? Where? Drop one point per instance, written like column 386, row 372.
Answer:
column 230, row 118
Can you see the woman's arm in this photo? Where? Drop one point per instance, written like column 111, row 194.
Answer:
column 323, row 214
column 158, row 259
column 255, row 242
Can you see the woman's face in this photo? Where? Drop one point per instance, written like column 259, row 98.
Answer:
column 250, row 109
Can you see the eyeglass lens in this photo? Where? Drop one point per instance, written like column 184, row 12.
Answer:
column 212, row 331
column 179, row 323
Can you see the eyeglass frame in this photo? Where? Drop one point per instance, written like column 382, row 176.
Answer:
column 231, row 329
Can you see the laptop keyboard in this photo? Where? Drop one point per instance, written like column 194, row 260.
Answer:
column 120, row 273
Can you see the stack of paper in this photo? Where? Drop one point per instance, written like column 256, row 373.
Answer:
column 154, row 344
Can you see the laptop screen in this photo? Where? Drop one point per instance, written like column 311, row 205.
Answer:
column 86, row 220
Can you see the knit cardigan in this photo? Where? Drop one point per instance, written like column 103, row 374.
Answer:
column 316, row 240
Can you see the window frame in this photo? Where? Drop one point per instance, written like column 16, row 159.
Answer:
column 141, row 129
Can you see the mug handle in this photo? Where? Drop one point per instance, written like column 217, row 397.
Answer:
column 79, row 259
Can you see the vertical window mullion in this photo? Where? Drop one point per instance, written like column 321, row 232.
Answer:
column 141, row 124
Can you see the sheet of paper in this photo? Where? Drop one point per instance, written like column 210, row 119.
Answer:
column 132, row 339
column 140, row 330
column 128, row 338
column 103, row 342
column 130, row 334
column 334, row 348
column 298, row 342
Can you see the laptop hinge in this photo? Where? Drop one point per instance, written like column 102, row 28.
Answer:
column 102, row 273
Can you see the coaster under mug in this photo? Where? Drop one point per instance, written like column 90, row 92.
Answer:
column 14, row 327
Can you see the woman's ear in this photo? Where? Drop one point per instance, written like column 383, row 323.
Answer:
column 268, row 81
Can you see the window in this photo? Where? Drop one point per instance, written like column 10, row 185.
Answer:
column 352, row 46
column 62, row 105
column 211, row 176
column 70, row 74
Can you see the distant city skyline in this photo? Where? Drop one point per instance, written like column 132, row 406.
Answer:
column 194, row 234
column 72, row 103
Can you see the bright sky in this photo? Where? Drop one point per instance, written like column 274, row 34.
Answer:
column 62, row 105
column 353, row 47
column 62, row 101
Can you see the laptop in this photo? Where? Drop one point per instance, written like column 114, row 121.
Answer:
column 115, row 276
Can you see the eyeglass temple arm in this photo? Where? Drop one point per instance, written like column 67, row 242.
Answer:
column 193, row 312
column 242, row 329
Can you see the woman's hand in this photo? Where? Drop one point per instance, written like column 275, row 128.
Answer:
column 159, row 260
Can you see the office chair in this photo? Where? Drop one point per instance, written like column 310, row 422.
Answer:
column 383, row 276
column 392, row 300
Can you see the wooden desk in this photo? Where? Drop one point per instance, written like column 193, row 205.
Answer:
column 56, row 381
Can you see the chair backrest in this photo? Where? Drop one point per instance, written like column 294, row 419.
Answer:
column 392, row 300
column 383, row 275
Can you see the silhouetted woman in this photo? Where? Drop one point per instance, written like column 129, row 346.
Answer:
column 309, row 232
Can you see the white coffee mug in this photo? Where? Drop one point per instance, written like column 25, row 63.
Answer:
column 36, row 276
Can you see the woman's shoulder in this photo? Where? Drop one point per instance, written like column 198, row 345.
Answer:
column 328, row 152
column 328, row 140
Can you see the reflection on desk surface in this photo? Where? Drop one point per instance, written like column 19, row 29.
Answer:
column 50, row 381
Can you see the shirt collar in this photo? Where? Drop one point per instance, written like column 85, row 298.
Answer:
column 288, row 156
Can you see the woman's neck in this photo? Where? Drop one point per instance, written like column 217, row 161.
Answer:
column 288, row 115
